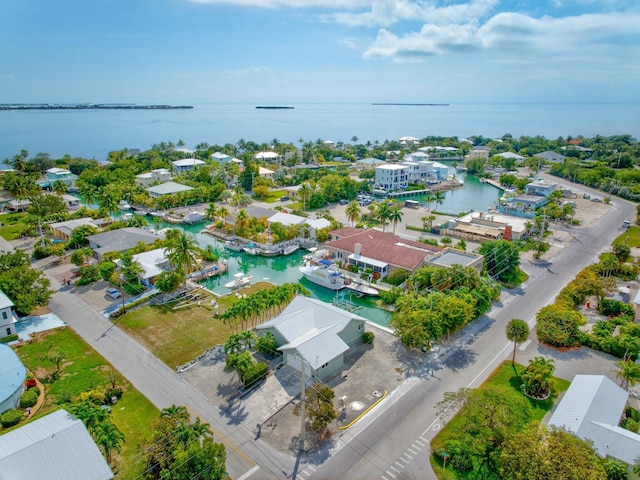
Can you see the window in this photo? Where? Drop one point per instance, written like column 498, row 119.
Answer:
column 360, row 327
column 8, row 331
column 325, row 365
column 4, row 315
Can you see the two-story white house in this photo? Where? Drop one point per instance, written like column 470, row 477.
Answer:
column 7, row 316
column 147, row 179
column 187, row 164
column 54, row 175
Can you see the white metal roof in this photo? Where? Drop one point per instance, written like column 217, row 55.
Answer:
column 318, row 223
column 368, row 260
column 5, row 302
column 286, row 219
column 54, row 447
column 188, row 162
column 168, row 188
column 312, row 328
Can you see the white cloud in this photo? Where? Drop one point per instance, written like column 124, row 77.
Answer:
column 351, row 43
column 346, row 4
column 506, row 32
column 248, row 72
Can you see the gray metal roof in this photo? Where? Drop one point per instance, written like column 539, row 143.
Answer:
column 312, row 328
column 168, row 188
column 5, row 302
column 591, row 408
column 120, row 240
column 54, row 447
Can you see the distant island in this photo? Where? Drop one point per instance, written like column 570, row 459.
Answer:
column 415, row 104
column 274, row 107
column 88, row 106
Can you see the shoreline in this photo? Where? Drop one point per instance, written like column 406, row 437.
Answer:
column 89, row 106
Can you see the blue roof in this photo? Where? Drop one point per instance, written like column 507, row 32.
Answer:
column 12, row 373
column 326, row 262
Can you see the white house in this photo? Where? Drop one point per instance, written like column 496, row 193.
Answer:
column 159, row 175
column 7, row 316
column 591, row 409
column 58, row 175
column 187, row 164
column 550, row 156
column 268, row 156
column 391, row 177
column 167, row 188
column 317, row 333
column 265, row 173
column 153, row 263
column 223, row 158
column 409, row 141
column 515, row 156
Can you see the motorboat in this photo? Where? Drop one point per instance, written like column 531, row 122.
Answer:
column 289, row 249
column 252, row 249
column 239, row 280
column 193, row 217
column 323, row 272
column 233, row 245
column 361, row 288
column 124, row 205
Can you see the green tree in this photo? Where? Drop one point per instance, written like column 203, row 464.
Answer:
column 109, row 438
column 621, row 252
column 383, row 214
column 168, row 282
column 537, row 453
column 79, row 235
column 182, row 250
column 517, row 331
column 628, row 372
column 319, row 408
column 59, row 188
column 25, row 286
column 44, row 205
column 395, row 216
column 615, row 470
column 501, row 259
column 438, row 198
column 428, row 198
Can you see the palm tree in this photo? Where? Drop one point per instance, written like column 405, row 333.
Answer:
column 212, row 211
column 517, row 331
column 353, row 212
column 429, row 198
column 108, row 203
column 60, row 188
column 305, row 191
column 109, row 438
column 383, row 214
column 175, row 412
column 538, row 377
column 395, row 216
column 181, row 252
column 438, row 197
column 628, row 373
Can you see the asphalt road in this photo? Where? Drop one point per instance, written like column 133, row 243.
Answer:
column 393, row 443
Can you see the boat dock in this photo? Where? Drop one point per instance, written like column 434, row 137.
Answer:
column 495, row 183
column 211, row 271
column 438, row 187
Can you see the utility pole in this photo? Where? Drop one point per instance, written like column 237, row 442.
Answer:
column 303, row 420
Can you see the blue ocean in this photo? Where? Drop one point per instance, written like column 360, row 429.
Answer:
column 93, row 133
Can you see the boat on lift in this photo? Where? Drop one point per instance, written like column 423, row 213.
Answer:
column 251, row 249
column 124, row 205
column 322, row 271
column 359, row 287
column 289, row 249
column 193, row 217
column 233, row 245
column 239, row 280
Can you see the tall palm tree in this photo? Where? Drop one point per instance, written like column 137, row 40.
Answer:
column 108, row 203
column 211, row 212
column 305, row 191
column 438, row 197
column 109, row 438
column 181, row 252
column 429, row 198
column 517, row 331
column 175, row 412
column 395, row 216
column 383, row 214
column 353, row 212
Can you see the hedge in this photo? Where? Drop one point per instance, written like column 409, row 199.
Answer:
column 29, row 398
column 10, row 418
column 9, row 338
column 367, row 337
column 254, row 373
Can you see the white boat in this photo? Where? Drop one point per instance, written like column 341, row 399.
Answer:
column 323, row 273
column 360, row 287
column 239, row 280
column 234, row 245
column 289, row 249
column 193, row 217
column 124, row 205
column 251, row 249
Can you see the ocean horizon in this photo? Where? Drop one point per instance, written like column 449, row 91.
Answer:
column 94, row 133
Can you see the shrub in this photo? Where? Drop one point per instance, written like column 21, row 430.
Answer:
column 30, row 383
column 459, row 457
column 396, row 277
column 107, row 269
column 93, row 396
column 39, row 252
column 134, row 289
column 613, row 308
column 267, row 344
column 254, row 373
column 631, row 412
column 112, row 392
column 367, row 337
column 630, row 424
column 231, row 360
column 390, row 297
column 10, row 418
column 9, row 338
column 28, row 398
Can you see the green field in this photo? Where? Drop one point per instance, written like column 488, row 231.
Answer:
column 12, row 225
column 84, row 369
column 630, row 238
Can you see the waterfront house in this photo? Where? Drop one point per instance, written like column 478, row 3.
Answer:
column 317, row 333
column 409, row 141
column 450, row 256
column 269, row 157
column 310, row 225
column 72, row 203
column 18, row 205
column 55, row 446
column 592, row 409
column 550, row 156
column 186, row 164
column 153, row 263
column 512, row 155
column 223, row 159
column 378, row 251
column 58, row 175
column 159, row 175
column 119, row 240
column 422, row 171
column 167, row 188
column 391, row 177
column 7, row 316
column 329, row 144
column 540, row 187
column 481, row 151
column 65, row 229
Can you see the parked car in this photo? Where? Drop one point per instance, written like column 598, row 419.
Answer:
column 113, row 293
column 284, row 199
column 344, row 202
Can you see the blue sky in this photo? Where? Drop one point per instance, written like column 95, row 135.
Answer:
column 299, row 51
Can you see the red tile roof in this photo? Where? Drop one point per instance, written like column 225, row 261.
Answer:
column 385, row 247
column 344, row 232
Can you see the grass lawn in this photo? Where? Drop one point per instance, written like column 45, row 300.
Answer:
column 273, row 196
column 521, row 277
column 630, row 238
column 177, row 336
column 13, row 224
column 505, row 375
column 82, row 370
